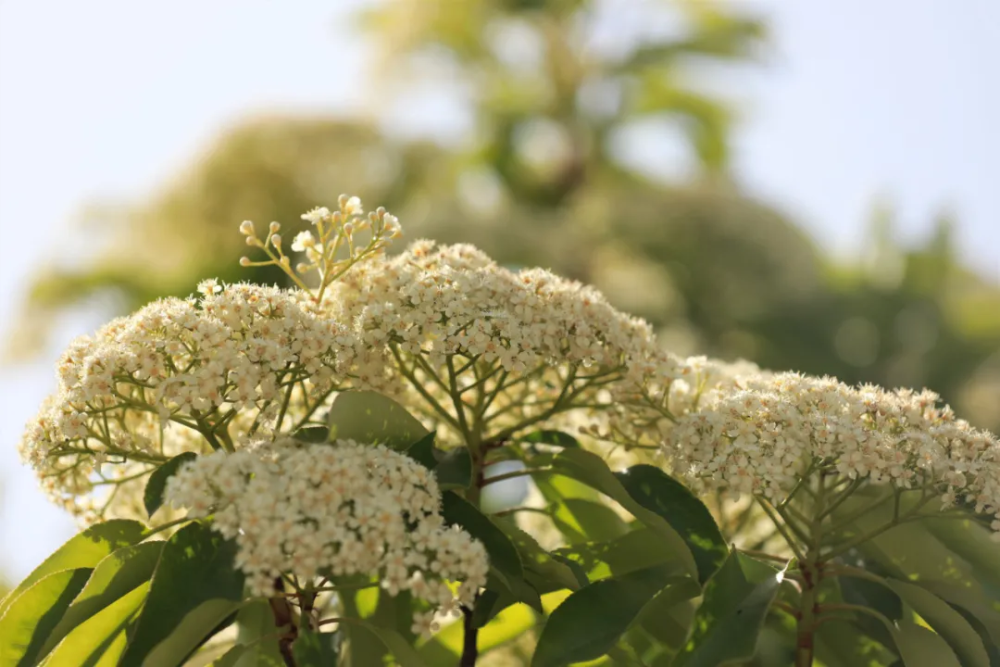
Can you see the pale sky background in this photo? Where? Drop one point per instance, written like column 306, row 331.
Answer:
column 106, row 99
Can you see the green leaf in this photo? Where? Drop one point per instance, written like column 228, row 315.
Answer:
column 423, row 451
column 313, row 434
column 550, row 437
column 537, row 560
column 454, row 471
column 84, row 550
column 35, row 612
column 196, row 566
column 445, row 647
column 596, row 520
column 255, row 630
column 197, row 625
column 947, row 622
column 659, row 492
column 100, row 640
column 119, row 573
column 593, row 471
column 590, row 621
column 633, row 551
column 730, row 616
column 404, row 653
column 502, row 552
column 315, row 649
column 153, row 496
column 919, row 647
column 368, row 417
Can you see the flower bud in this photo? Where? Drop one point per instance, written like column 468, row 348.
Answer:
column 274, row 227
column 246, row 227
column 276, row 240
column 244, row 261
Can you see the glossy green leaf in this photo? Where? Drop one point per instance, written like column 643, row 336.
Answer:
column 152, row 498
column 315, row 649
column 195, row 566
column 100, row 640
column 119, row 573
column 84, row 550
column 369, row 417
column 730, row 617
column 591, row 621
column 593, row 471
column 31, row 617
column 973, row 600
column 947, row 622
column 502, row 552
column 659, row 492
column 919, row 647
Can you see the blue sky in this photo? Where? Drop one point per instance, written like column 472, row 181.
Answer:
column 107, row 99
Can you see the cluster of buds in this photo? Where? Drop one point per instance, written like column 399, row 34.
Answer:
column 334, row 248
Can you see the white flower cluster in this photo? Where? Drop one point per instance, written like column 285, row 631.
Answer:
column 464, row 335
column 202, row 365
column 334, row 510
column 763, row 438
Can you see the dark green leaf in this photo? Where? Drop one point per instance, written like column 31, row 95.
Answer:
column 502, row 552
column 633, row 551
column 35, row 612
column 196, row 566
column 118, row 574
column 153, row 497
column 598, row 521
column 551, row 437
column 368, row 417
column 83, row 550
column 313, row 434
column 659, row 492
column 590, row 621
column 454, row 471
column 423, row 451
column 315, row 649
column 870, row 594
column 730, row 617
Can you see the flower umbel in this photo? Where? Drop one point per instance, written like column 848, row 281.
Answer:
column 334, row 510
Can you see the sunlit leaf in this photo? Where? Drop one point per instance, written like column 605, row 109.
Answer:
column 30, row 618
column 196, row 566
column 118, row 574
column 83, row 550
column 100, row 640
column 371, row 418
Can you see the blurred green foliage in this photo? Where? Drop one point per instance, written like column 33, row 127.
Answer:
column 553, row 87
